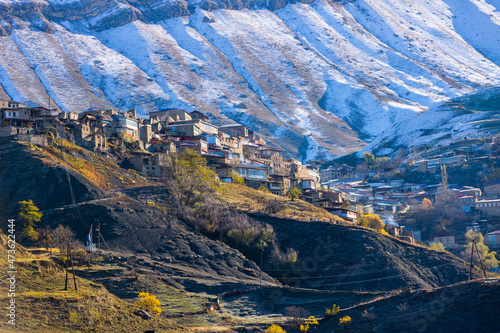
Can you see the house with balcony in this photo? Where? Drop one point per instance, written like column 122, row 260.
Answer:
column 255, row 175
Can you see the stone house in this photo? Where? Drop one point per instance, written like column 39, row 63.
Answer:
column 492, row 188
column 90, row 134
column 488, row 207
column 197, row 144
column 183, row 129
column 255, row 175
column 236, row 130
column 5, row 103
column 444, row 237
column 492, row 239
column 199, row 116
column 279, row 185
column 169, row 116
column 16, row 121
column 152, row 165
column 159, row 145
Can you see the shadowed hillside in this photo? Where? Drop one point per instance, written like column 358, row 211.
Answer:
column 464, row 307
column 335, row 257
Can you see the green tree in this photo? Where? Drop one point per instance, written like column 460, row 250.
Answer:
column 293, row 193
column 368, row 159
column 382, row 162
column 29, row 215
column 488, row 258
column 189, row 181
column 437, row 246
column 149, row 302
column 243, row 236
column 236, row 177
column 444, row 178
column 264, row 241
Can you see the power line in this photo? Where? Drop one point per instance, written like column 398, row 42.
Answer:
column 362, row 281
column 71, row 187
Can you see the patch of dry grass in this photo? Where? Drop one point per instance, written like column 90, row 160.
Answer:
column 253, row 201
column 103, row 172
column 44, row 306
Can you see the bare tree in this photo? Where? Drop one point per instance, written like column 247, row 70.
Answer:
column 298, row 314
column 61, row 236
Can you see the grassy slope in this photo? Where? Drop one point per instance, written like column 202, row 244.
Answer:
column 252, row 201
column 43, row 305
column 101, row 171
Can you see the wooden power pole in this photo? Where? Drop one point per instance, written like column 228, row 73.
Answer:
column 69, row 258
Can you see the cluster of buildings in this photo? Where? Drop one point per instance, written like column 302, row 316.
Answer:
column 349, row 192
column 228, row 148
column 392, row 198
column 233, row 148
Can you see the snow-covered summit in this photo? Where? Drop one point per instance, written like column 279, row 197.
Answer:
column 317, row 78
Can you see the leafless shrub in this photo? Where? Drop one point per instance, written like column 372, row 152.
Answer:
column 403, row 307
column 274, row 206
column 298, row 314
column 61, row 236
column 280, row 258
column 370, row 317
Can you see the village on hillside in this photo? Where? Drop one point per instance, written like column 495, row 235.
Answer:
column 415, row 197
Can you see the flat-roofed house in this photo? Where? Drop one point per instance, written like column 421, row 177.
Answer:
column 5, row 103
column 236, row 130
column 444, row 237
column 492, row 239
column 492, row 188
column 488, row 207
column 169, row 116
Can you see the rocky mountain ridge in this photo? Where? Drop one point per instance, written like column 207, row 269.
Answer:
column 318, row 78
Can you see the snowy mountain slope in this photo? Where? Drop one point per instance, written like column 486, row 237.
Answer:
column 315, row 78
column 472, row 116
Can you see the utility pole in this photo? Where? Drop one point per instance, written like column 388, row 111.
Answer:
column 69, row 257
column 474, row 248
column 66, row 262
column 261, row 258
column 73, row 268
column 99, row 238
column 480, row 260
column 471, row 254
